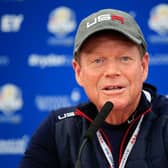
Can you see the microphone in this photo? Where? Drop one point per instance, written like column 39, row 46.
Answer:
column 94, row 126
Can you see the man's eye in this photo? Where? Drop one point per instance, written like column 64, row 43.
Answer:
column 125, row 59
column 98, row 60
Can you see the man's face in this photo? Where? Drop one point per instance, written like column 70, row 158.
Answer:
column 111, row 69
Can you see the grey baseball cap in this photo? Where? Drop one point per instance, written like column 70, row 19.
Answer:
column 109, row 19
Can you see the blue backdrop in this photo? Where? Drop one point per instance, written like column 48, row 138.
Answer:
column 36, row 44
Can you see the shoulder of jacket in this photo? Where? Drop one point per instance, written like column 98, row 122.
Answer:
column 70, row 112
column 160, row 105
column 64, row 113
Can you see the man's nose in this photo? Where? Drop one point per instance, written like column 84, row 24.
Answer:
column 112, row 68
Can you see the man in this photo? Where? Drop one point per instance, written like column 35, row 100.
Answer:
column 111, row 64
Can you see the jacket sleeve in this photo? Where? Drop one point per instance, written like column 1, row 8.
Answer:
column 166, row 137
column 41, row 151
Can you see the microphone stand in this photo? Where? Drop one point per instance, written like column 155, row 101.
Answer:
column 78, row 161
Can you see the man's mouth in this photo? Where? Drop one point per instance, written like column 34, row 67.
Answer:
column 112, row 88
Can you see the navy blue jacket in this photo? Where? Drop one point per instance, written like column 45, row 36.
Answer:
column 56, row 142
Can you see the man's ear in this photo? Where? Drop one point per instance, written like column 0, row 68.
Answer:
column 145, row 65
column 77, row 69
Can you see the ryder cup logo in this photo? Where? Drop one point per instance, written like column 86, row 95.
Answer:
column 61, row 21
column 10, row 99
column 158, row 19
